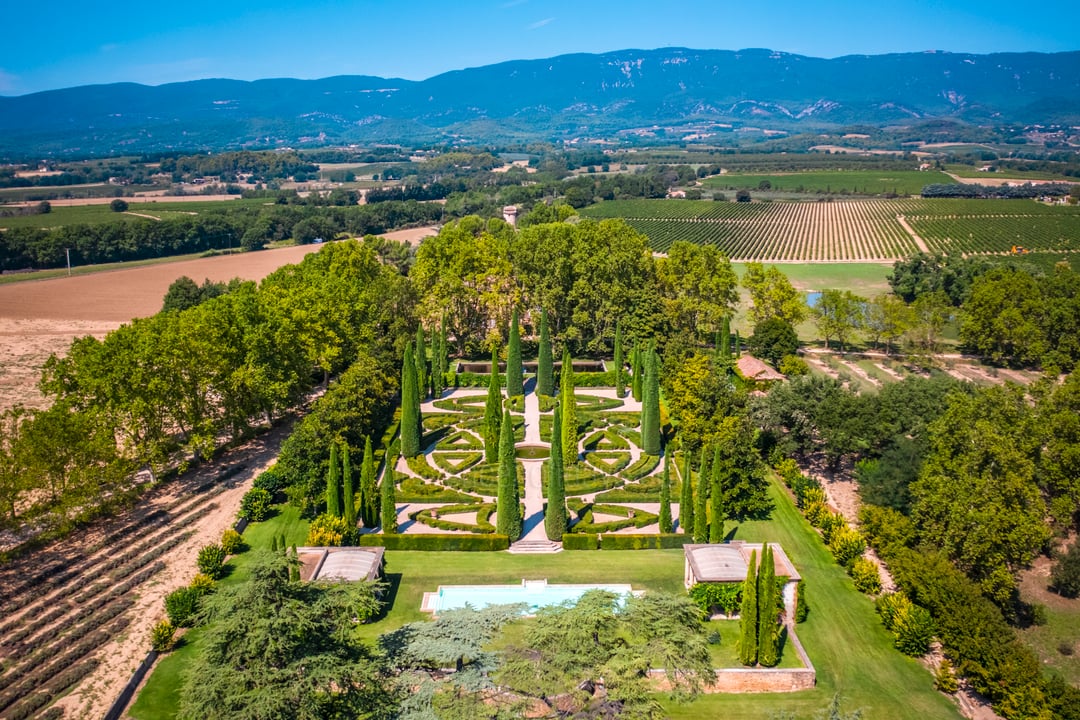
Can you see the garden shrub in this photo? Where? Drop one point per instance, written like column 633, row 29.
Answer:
column 831, row 524
column 255, row 505
column 421, row 467
column 914, row 631
column 814, row 506
column 547, row 402
column 181, row 606
column 231, row 541
column 163, row 637
column 203, row 583
column 846, row 544
column 802, row 607
column 458, row 542
column 271, row 480
column 865, row 575
column 582, row 541
column 715, row 596
column 330, row 531
column 211, row 560
column 945, row 678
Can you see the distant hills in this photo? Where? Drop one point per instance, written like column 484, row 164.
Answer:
column 570, row 96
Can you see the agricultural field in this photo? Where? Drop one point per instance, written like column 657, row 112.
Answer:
column 138, row 209
column 852, row 230
column 834, row 182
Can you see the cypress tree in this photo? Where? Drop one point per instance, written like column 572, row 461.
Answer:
column 701, row 517
column 724, row 347
column 492, row 412
column 665, row 499
column 650, row 410
column 333, row 484
column 686, row 498
column 368, row 492
column 273, row 544
column 438, row 379
column 766, row 587
column 388, row 498
column 636, row 372
column 545, row 381
column 421, row 363
column 748, row 613
column 620, row 390
column 349, row 510
column 569, row 411
column 443, row 358
column 555, row 517
column 716, row 509
column 410, row 406
column 515, row 383
column 508, row 509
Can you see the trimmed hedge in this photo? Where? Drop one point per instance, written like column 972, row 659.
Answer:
column 645, row 465
column 421, row 467
column 482, row 525
column 632, row 518
column 614, row 441
column 580, row 542
column 463, row 543
column 663, row 541
column 416, row 490
column 454, row 462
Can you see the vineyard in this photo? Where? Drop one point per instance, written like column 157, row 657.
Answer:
column 854, row 230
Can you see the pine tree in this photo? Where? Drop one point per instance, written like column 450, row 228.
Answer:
column 665, row 498
column 620, row 390
column 515, row 383
column 686, row 498
column 569, row 412
column 492, row 412
column 410, row 406
column 636, row 372
column 545, row 381
column 347, row 495
column 716, row 506
column 650, row 409
column 388, row 499
column 701, row 516
column 508, row 509
column 368, row 493
column 555, row 517
column 333, row 484
column 421, row 363
column 767, row 601
column 748, row 615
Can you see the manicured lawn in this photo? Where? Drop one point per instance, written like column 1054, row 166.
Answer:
column 851, row 651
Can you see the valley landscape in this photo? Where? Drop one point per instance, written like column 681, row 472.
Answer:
column 788, row 345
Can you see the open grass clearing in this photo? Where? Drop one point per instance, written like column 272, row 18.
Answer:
column 1062, row 629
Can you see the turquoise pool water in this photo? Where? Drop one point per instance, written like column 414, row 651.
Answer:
column 533, row 593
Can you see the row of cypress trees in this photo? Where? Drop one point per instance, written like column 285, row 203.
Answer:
column 343, row 498
column 759, row 630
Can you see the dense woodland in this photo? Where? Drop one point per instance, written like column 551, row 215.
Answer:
column 962, row 487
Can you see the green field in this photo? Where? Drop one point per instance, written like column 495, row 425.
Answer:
column 970, row 171
column 834, row 182
column 99, row 214
column 93, row 190
column 851, row 651
column 849, row 230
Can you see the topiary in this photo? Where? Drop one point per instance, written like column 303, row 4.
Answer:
column 181, row 605
column 211, row 560
column 163, row 637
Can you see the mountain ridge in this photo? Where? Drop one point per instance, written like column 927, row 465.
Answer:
column 558, row 98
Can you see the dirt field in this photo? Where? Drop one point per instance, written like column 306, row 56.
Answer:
column 151, row 196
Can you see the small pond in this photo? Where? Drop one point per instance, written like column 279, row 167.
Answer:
column 532, row 452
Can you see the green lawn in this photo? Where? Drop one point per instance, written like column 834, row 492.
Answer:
column 860, row 182
column 100, row 214
column 1061, row 631
column 851, row 651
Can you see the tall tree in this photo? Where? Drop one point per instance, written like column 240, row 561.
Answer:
column 333, row 483
column 620, row 389
column 368, row 492
column 716, row 505
column 767, row 610
column 515, row 383
column 724, row 346
column 348, row 496
column 773, row 295
column 701, row 517
column 421, row 363
column 741, row 473
column 492, row 412
column 555, row 517
column 388, row 499
column 508, row 520
column 410, row 406
column 650, row 410
column 545, row 376
column 569, row 411
column 838, row 314
column 666, row 525
column 686, row 497
column 440, row 363
column 636, row 372
column 748, row 615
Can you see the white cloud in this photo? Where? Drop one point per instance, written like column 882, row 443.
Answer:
column 541, row 23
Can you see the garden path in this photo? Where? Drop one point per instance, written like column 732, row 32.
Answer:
column 533, row 528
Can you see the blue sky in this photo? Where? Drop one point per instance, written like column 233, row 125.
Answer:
column 65, row 43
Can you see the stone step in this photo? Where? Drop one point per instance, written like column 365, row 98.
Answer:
column 535, row 546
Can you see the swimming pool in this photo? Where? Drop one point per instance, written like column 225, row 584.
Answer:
column 534, row 594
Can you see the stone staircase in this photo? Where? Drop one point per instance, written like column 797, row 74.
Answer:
column 535, row 546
